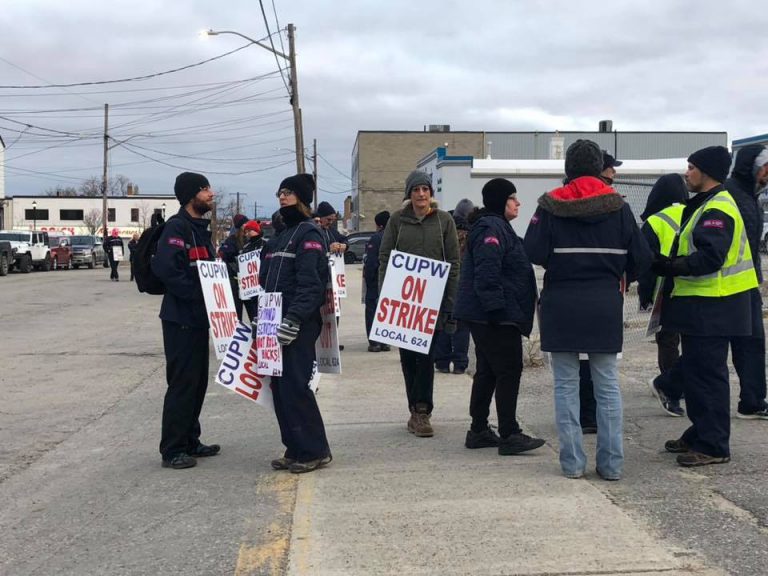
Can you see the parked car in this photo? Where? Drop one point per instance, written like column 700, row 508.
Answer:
column 356, row 248
column 6, row 257
column 87, row 251
column 61, row 251
column 31, row 247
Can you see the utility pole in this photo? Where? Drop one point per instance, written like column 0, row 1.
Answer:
column 237, row 205
column 256, row 210
column 297, row 124
column 104, row 173
column 314, row 171
column 214, row 227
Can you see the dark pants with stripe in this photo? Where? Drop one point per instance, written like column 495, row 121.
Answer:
column 749, row 360
column 707, row 394
column 186, row 370
column 419, row 374
column 298, row 415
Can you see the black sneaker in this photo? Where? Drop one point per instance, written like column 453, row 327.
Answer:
column 517, row 443
column 676, row 446
column 761, row 414
column 485, row 439
column 673, row 408
column 442, row 370
column 180, row 461
column 459, row 371
column 385, row 348
column 204, row 450
column 374, row 348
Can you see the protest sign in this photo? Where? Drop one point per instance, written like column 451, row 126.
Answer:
column 339, row 274
column 409, row 303
column 314, row 380
column 248, row 275
column 268, row 350
column 219, row 303
column 327, row 345
column 654, row 322
column 237, row 371
column 117, row 253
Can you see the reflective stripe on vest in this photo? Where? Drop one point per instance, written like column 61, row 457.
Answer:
column 737, row 273
column 666, row 225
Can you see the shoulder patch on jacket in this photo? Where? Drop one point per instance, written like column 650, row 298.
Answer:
column 312, row 245
column 174, row 241
column 534, row 219
column 713, row 223
column 491, row 240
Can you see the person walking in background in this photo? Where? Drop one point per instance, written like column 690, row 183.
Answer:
column 420, row 228
column 453, row 348
column 253, row 241
column 114, row 241
column 185, row 240
column 585, row 237
column 334, row 240
column 228, row 252
column 663, row 215
column 295, row 264
column 371, row 278
column 710, row 303
column 131, row 247
column 496, row 298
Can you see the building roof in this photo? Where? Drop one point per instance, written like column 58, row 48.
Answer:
column 751, row 140
column 482, row 167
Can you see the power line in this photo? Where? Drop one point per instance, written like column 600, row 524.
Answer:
column 334, row 167
column 277, row 25
column 274, row 51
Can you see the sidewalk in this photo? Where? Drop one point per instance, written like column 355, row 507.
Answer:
column 392, row 503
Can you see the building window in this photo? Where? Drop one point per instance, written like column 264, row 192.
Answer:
column 134, row 214
column 71, row 215
column 110, row 214
column 32, row 214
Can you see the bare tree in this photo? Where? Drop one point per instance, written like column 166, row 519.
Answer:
column 61, row 191
column 224, row 213
column 92, row 220
column 145, row 214
column 91, row 187
column 118, row 185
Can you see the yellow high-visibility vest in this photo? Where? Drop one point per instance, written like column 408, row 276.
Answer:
column 738, row 271
column 666, row 224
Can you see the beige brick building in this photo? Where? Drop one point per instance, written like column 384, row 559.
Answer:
column 382, row 159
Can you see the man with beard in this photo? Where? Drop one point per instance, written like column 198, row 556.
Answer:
column 185, row 239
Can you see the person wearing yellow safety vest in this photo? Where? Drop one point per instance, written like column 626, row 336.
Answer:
column 712, row 270
column 663, row 214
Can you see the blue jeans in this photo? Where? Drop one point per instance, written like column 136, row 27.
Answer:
column 610, row 449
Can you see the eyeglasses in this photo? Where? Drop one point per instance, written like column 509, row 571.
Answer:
column 284, row 192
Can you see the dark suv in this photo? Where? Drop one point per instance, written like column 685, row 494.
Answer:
column 87, row 251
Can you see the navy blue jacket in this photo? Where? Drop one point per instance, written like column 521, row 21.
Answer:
column 228, row 252
column 586, row 238
column 741, row 185
column 184, row 241
column 371, row 266
column 331, row 235
column 497, row 283
column 110, row 243
column 295, row 263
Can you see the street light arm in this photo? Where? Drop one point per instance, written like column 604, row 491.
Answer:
column 251, row 40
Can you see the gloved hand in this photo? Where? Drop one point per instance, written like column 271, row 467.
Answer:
column 665, row 266
column 287, row 331
column 450, row 326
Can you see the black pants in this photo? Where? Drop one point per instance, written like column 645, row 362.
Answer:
column 667, row 344
column 370, row 311
column 452, row 348
column 587, row 404
column 113, row 264
column 298, row 415
column 748, row 354
column 186, row 370
column 671, row 381
column 707, row 396
column 252, row 307
column 419, row 375
column 131, row 264
column 499, row 353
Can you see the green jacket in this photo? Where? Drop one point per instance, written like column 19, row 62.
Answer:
column 432, row 237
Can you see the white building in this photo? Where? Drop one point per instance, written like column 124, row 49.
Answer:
column 457, row 177
column 73, row 214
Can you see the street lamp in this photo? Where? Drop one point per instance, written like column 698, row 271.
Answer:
column 291, row 58
column 163, row 210
column 34, row 215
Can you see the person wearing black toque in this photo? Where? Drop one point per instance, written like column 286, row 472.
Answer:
column 228, row 252
column 336, row 241
column 712, row 274
column 371, row 277
column 295, row 264
column 586, row 238
column 497, row 296
column 185, row 239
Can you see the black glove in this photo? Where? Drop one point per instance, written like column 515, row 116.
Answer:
column 664, row 266
column 287, row 331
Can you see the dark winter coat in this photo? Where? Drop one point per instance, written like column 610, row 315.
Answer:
column 184, row 241
column 295, row 263
column 586, row 238
column 741, row 185
column 371, row 266
column 497, row 284
column 110, row 243
column 131, row 247
column 331, row 235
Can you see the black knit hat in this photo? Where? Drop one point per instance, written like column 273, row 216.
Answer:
column 495, row 194
column 238, row 220
column 417, row 178
column 381, row 218
column 187, row 185
column 714, row 161
column 583, row 158
column 303, row 185
column 324, row 209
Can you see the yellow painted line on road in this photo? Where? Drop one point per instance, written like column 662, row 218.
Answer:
column 267, row 552
column 302, row 526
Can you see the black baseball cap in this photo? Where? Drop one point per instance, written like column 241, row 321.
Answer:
column 609, row 161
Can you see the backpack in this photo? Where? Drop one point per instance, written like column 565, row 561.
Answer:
column 145, row 250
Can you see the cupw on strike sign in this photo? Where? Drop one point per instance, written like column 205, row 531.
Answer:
column 237, row 371
column 409, row 303
column 248, row 275
column 338, row 274
column 219, row 303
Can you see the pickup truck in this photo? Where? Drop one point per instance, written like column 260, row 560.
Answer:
column 61, row 251
column 87, row 251
column 6, row 257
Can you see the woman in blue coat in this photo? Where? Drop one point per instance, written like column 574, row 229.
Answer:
column 586, row 238
column 497, row 294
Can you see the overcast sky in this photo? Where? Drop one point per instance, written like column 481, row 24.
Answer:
column 363, row 65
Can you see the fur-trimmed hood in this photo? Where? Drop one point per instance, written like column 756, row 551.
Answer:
column 583, row 197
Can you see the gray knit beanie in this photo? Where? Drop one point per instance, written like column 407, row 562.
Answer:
column 417, row 178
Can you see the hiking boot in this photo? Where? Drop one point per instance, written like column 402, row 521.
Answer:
column 385, row 348
column 179, row 462
column 302, row 467
column 676, row 446
column 412, row 423
column 422, row 426
column 671, row 407
column 282, row 463
column 760, row 414
column 692, row 459
column 517, row 443
column 203, row 450
column 485, row 439
column 374, row 348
